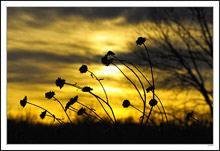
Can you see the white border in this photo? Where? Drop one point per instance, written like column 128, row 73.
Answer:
column 4, row 6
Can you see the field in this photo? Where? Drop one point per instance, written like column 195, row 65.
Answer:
column 98, row 133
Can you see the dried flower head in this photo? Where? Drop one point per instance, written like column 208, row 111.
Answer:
column 86, row 89
column 81, row 111
column 110, row 53
column 126, row 103
column 140, row 40
column 83, row 69
column 189, row 115
column 151, row 88
column 24, row 101
column 43, row 114
column 50, row 94
column 71, row 102
column 60, row 82
column 106, row 61
column 153, row 102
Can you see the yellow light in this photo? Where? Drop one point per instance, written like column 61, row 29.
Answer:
column 111, row 71
column 100, row 38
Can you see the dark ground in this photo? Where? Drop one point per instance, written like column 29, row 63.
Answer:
column 25, row 133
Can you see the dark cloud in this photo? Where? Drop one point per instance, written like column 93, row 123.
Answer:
column 36, row 66
column 162, row 58
column 43, row 16
column 48, row 57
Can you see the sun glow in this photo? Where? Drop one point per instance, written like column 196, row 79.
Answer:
column 111, row 71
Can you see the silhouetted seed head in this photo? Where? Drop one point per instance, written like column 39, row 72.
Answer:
column 83, row 69
column 110, row 53
column 24, row 101
column 60, row 82
column 140, row 41
column 81, row 111
column 153, row 102
column 106, row 61
column 151, row 88
column 126, row 103
column 50, row 94
column 86, row 89
column 43, row 114
column 189, row 115
column 71, row 102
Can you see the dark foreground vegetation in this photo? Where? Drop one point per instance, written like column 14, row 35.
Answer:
column 98, row 133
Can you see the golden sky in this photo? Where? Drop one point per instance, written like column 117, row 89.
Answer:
column 46, row 43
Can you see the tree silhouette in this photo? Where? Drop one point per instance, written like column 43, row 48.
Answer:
column 183, row 44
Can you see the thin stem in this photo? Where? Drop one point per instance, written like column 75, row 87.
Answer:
column 104, row 108
column 151, row 85
column 151, row 69
column 75, row 85
column 162, row 107
column 63, row 109
column 73, row 109
column 139, row 72
column 141, row 85
column 45, row 110
column 87, row 115
column 59, row 120
column 97, row 97
column 196, row 119
column 139, row 111
column 100, row 84
column 148, row 116
column 130, row 81
column 92, row 111
column 160, row 113
column 85, row 106
column 93, row 116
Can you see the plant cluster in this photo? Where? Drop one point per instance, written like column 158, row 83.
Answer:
column 89, row 113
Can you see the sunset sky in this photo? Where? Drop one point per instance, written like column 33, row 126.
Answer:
column 46, row 43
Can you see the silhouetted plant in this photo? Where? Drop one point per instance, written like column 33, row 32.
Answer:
column 43, row 114
column 111, row 55
column 60, row 82
column 81, row 111
column 189, row 116
column 126, row 103
column 83, row 69
column 107, row 60
column 50, row 95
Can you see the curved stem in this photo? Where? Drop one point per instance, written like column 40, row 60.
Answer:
column 141, row 111
column 97, row 97
column 63, row 109
column 100, row 84
column 162, row 107
column 92, row 111
column 151, row 85
column 45, row 110
column 160, row 113
column 130, row 81
column 138, row 110
column 75, row 85
column 148, row 116
column 73, row 109
column 59, row 120
column 139, row 72
column 92, row 116
column 151, row 69
column 141, row 86
column 85, row 106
